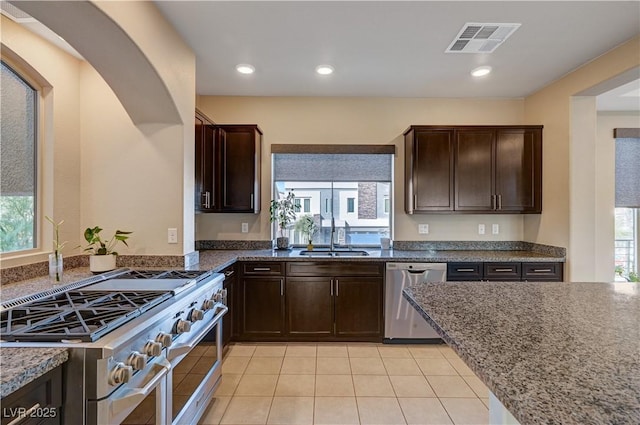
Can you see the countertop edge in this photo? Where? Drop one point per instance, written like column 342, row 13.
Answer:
column 33, row 363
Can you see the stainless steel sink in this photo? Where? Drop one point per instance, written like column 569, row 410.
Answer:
column 335, row 253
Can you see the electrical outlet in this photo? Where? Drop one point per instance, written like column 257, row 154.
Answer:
column 481, row 229
column 172, row 235
column 495, row 229
column 245, row 227
column 423, row 229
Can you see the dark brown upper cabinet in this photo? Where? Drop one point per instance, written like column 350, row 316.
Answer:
column 238, row 151
column 227, row 166
column 473, row 169
column 429, row 169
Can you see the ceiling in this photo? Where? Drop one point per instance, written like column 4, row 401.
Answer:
column 392, row 48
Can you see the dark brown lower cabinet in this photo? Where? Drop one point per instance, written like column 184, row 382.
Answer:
column 359, row 307
column 261, row 309
column 316, row 301
column 40, row 401
column 309, row 306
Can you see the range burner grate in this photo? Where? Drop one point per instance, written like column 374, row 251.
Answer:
column 76, row 315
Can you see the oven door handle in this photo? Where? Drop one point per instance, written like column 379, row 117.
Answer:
column 179, row 349
column 131, row 397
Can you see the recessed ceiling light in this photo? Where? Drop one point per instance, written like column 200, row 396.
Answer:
column 481, row 71
column 324, row 69
column 245, row 68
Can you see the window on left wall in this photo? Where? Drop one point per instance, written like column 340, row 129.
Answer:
column 18, row 161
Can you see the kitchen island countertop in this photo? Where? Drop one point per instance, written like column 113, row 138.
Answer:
column 22, row 365
column 552, row 353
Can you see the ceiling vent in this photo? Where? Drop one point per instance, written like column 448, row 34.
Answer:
column 15, row 14
column 481, row 38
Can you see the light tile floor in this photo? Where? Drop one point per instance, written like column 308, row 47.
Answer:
column 343, row 384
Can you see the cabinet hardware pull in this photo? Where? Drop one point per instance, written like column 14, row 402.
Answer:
column 261, row 269
column 465, row 270
column 415, row 202
column 252, row 200
column 281, row 287
column 332, row 287
column 229, row 273
column 499, row 202
column 337, row 287
column 25, row 415
column 503, row 270
column 493, row 202
column 541, row 270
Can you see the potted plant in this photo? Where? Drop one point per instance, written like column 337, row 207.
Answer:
column 103, row 257
column 308, row 227
column 283, row 211
column 55, row 258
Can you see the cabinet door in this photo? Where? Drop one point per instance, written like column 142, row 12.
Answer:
column 204, row 196
column 309, row 306
column 518, row 170
column 358, row 306
column 474, row 170
column 238, row 153
column 430, row 184
column 262, row 306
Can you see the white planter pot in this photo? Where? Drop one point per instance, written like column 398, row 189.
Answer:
column 102, row 263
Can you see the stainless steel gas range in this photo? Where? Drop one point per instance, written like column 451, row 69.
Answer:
column 125, row 331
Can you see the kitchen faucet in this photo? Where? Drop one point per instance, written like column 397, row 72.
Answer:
column 333, row 231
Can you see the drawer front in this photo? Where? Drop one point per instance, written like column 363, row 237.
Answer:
column 333, row 268
column 263, row 268
column 503, row 271
column 464, row 271
column 546, row 272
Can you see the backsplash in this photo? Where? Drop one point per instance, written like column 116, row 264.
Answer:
column 30, row 271
column 478, row 245
column 233, row 244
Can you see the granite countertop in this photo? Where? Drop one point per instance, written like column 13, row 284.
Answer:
column 22, row 365
column 217, row 260
column 214, row 258
column 552, row 353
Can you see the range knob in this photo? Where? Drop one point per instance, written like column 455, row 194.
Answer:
column 164, row 339
column 182, row 326
column 137, row 360
column 208, row 304
column 217, row 297
column 120, row 374
column 153, row 348
column 197, row 314
column 224, row 293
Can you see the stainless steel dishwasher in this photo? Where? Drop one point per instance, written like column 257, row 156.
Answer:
column 403, row 323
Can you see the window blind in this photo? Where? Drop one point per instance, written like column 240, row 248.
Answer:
column 332, row 167
column 628, row 172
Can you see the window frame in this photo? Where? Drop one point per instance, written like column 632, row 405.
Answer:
column 41, row 203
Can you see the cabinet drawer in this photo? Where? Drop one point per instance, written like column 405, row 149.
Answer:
column 43, row 395
column 502, row 271
column 263, row 268
column 311, row 268
column 464, row 271
column 549, row 272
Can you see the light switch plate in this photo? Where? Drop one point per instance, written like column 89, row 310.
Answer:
column 172, row 235
column 423, row 229
column 481, row 229
column 495, row 229
column 245, row 227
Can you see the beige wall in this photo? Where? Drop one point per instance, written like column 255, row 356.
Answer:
column 105, row 170
column 551, row 107
column 57, row 73
column 357, row 121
